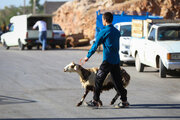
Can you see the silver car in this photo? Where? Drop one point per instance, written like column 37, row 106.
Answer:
column 59, row 36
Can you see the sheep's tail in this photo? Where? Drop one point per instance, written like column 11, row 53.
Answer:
column 125, row 77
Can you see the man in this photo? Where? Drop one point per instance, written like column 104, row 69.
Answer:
column 109, row 37
column 42, row 32
column 3, row 27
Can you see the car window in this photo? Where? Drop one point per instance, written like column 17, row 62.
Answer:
column 11, row 28
column 116, row 26
column 152, row 34
column 125, row 30
column 56, row 27
column 169, row 33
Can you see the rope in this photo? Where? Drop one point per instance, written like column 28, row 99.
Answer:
column 81, row 62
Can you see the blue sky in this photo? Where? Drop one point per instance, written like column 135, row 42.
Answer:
column 17, row 3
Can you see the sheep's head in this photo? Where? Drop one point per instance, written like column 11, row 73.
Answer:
column 72, row 67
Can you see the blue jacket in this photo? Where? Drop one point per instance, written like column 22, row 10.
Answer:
column 109, row 37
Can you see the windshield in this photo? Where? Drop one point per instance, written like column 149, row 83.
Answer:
column 56, row 27
column 11, row 28
column 125, row 30
column 169, row 33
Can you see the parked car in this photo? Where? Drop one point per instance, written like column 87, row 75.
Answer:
column 0, row 34
column 156, row 43
column 125, row 40
column 59, row 36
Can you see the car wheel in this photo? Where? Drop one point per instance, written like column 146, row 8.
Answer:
column 5, row 45
column 29, row 47
column 138, row 64
column 53, row 46
column 162, row 69
column 21, row 46
column 121, row 63
column 38, row 46
column 62, row 46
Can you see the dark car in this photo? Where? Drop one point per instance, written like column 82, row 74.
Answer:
column 0, row 34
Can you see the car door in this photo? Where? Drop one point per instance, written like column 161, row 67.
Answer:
column 150, row 48
column 10, row 37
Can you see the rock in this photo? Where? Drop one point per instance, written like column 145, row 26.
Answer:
column 79, row 16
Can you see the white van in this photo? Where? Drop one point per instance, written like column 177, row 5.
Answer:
column 125, row 40
column 21, row 33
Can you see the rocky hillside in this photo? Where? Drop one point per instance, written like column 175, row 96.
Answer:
column 79, row 16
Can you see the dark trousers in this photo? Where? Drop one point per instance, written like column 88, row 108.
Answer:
column 103, row 71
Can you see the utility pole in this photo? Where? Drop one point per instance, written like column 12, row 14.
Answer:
column 45, row 4
column 34, row 6
column 24, row 6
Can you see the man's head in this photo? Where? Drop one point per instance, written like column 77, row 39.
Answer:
column 107, row 18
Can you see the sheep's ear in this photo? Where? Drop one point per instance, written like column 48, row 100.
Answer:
column 76, row 67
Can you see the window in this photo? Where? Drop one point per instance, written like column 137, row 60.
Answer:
column 56, row 27
column 125, row 30
column 116, row 26
column 152, row 34
column 169, row 33
column 11, row 28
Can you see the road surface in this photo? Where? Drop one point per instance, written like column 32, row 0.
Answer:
column 33, row 86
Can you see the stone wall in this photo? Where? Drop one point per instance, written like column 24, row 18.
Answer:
column 79, row 16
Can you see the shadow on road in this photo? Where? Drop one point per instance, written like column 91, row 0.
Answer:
column 147, row 106
column 172, row 73
column 155, row 106
column 12, row 100
column 104, row 118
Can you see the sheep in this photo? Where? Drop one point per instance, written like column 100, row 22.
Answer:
column 87, row 79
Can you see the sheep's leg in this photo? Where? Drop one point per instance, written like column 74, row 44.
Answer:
column 83, row 97
column 114, row 99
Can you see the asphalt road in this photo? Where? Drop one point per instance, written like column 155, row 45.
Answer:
column 33, row 86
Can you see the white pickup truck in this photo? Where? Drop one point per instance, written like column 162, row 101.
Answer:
column 125, row 40
column 21, row 33
column 156, row 43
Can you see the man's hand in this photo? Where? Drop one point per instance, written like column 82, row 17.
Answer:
column 86, row 59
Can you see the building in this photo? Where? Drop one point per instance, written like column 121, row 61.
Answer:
column 50, row 7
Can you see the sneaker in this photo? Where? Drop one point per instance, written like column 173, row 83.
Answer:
column 92, row 103
column 122, row 105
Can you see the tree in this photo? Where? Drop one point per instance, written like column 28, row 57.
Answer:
column 39, row 8
column 8, row 12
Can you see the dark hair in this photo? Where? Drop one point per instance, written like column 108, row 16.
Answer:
column 108, row 17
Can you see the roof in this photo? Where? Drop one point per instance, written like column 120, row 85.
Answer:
column 40, row 15
column 167, row 24
column 50, row 7
column 124, row 23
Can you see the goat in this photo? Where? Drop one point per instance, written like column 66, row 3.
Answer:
column 87, row 79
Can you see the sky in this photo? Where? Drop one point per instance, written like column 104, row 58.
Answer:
column 17, row 3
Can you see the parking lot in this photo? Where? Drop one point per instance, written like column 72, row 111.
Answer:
column 33, row 86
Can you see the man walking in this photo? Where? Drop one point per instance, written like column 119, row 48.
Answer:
column 109, row 37
column 42, row 32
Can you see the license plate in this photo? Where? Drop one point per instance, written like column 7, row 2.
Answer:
column 56, row 35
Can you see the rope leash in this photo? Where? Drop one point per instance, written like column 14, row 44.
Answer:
column 81, row 62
